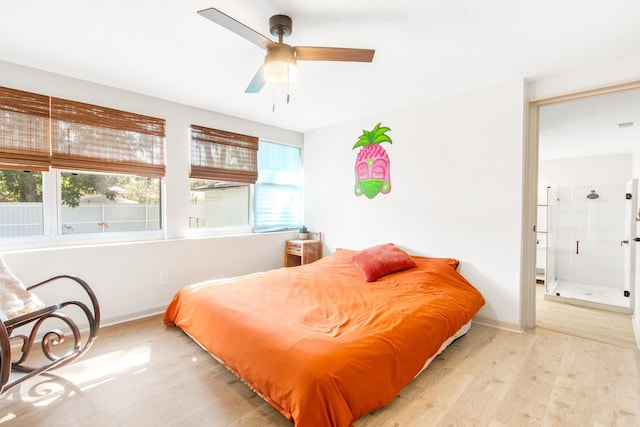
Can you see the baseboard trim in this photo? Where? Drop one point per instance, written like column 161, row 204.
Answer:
column 133, row 316
column 499, row 324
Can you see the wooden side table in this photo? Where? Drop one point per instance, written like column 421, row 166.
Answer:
column 300, row 252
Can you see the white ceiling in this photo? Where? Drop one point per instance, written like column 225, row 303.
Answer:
column 425, row 49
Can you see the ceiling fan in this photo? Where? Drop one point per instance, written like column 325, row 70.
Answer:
column 280, row 62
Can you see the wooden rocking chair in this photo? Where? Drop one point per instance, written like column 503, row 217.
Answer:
column 19, row 336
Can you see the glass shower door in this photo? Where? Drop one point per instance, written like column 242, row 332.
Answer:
column 551, row 275
column 632, row 215
column 591, row 244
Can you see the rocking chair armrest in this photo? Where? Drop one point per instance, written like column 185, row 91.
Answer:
column 27, row 318
column 85, row 286
column 5, row 355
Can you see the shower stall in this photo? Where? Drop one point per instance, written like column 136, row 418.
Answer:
column 590, row 245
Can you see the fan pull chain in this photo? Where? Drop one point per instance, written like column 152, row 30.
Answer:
column 273, row 97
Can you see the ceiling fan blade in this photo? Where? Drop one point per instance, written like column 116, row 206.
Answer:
column 237, row 27
column 313, row 53
column 256, row 83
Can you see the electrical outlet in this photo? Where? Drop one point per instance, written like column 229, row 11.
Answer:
column 164, row 278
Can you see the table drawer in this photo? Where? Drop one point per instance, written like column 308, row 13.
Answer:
column 294, row 248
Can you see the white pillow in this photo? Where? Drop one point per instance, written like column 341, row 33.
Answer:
column 15, row 299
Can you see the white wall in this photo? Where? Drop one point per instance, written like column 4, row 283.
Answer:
column 456, row 171
column 456, row 177
column 602, row 170
column 125, row 277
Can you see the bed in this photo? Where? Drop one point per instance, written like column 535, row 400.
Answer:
column 327, row 342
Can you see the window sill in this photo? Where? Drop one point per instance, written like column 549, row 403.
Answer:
column 86, row 239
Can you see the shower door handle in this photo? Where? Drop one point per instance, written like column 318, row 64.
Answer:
column 626, row 242
column 636, row 239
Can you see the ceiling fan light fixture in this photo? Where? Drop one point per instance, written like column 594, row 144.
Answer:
column 280, row 65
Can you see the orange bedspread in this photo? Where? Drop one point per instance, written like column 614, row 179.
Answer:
column 318, row 342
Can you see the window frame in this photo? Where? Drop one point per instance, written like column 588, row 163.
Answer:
column 52, row 215
column 208, row 169
column 133, row 235
column 52, row 235
column 301, row 194
column 109, row 156
column 250, row 228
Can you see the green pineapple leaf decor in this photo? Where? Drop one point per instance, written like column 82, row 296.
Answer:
column 372, row 164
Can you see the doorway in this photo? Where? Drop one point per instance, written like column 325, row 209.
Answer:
column 532, row 210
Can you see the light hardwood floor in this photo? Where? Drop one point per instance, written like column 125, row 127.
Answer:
column 143, row 374
column 600, row 325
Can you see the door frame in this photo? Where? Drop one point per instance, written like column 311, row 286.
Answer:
column 530, row 191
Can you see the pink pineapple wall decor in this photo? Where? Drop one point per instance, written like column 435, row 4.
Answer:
column 372, row 164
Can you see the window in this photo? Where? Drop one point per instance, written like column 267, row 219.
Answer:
column 235, row 178
column 24, row 145
column 223, row 165
column 278, row 191
column 24, row 130
column 21, row 208
column 100, row 203
column 88, row 203
column 126, row 151
column 219, row 204
column 106, row 165
column 92, row 138
column 224, row 156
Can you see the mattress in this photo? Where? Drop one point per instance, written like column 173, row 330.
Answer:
column 318, row 342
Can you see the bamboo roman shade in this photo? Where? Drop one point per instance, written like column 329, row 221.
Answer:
column 24, row 130
column 223, row 156
column 92, row 138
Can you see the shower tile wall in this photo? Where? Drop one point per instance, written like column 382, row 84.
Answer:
column 598, row 226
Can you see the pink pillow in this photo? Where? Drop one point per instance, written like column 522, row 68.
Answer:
column 381, row 260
